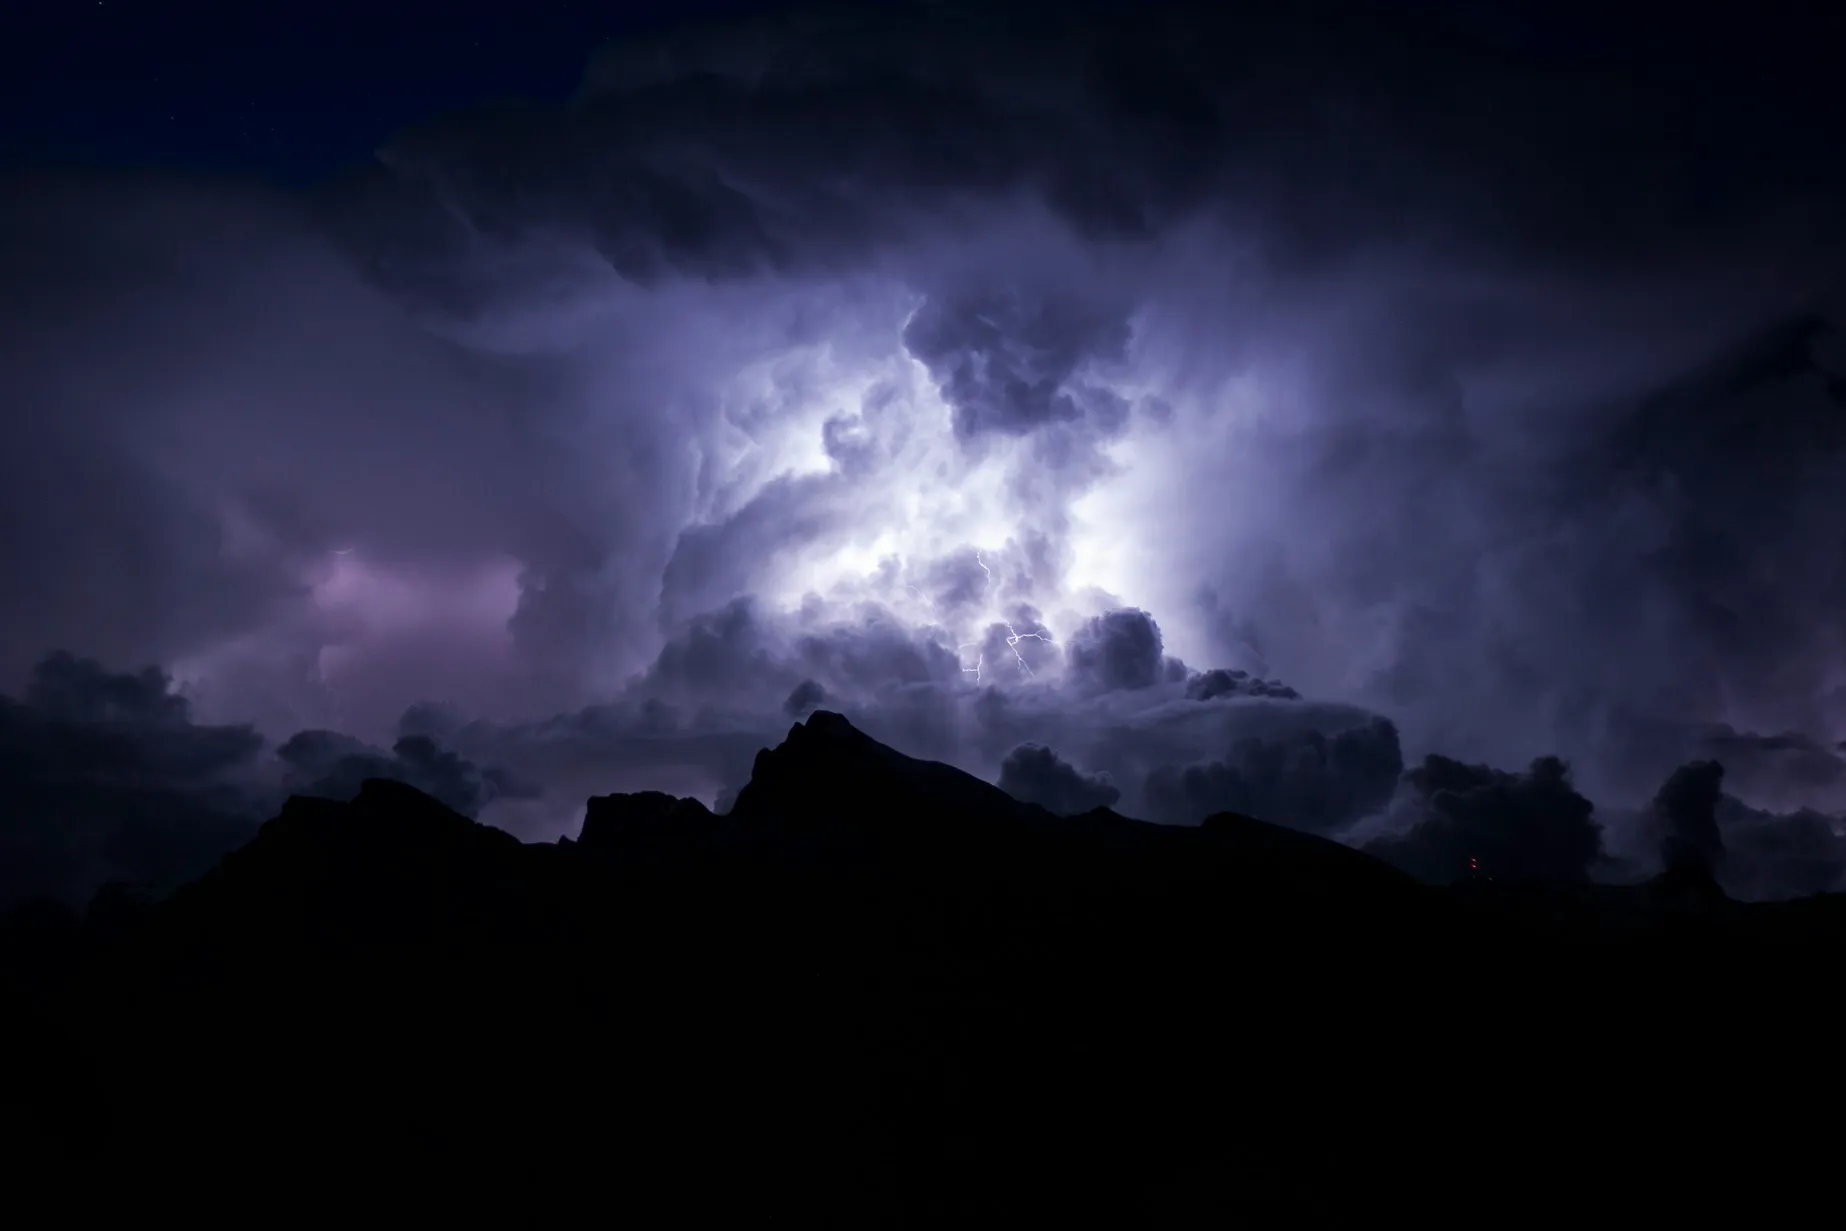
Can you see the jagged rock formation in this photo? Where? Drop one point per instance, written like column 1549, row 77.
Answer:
column 645, row 822
column 880, row 991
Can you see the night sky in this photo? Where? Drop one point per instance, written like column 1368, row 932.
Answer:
column 294, row 93
column 1420, row 424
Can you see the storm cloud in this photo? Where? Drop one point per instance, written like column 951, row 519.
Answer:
column 1037, row 775
column 1213, row 400
column 105, row 776
column 334, row 766
column 1306, row 779
column 1470, row 820
column 1686, row 809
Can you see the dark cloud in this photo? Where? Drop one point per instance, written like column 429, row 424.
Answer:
column 1035, row 774
column 69, row 689
column 334, row 766
column 805, row 699
column 1532, row 827
column 715, row 652
column 1223, row 682
column 1774, row 768
column 1771, row 855
column 105, row 776
column 1754, row 853
column 1306, row 779
column 770, row 144
column 1004, row 361
column 874, row 651
column 1686, row 811
column 1116, row 651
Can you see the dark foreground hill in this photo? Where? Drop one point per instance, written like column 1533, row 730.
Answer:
column 882, row 992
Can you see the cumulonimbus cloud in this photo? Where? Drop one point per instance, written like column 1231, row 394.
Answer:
column 1228, row 413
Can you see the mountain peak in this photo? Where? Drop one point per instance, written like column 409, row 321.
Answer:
column 827, row 766
column 642, row 820
column 829, row 724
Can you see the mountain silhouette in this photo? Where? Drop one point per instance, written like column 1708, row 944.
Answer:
column 880, row 991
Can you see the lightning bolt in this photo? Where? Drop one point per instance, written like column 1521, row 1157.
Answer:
column 980, row 655
column 1013, row 636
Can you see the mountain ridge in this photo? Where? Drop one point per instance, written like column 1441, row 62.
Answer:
column 877, row 991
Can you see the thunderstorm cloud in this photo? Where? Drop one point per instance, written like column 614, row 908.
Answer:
column 1219, row 403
